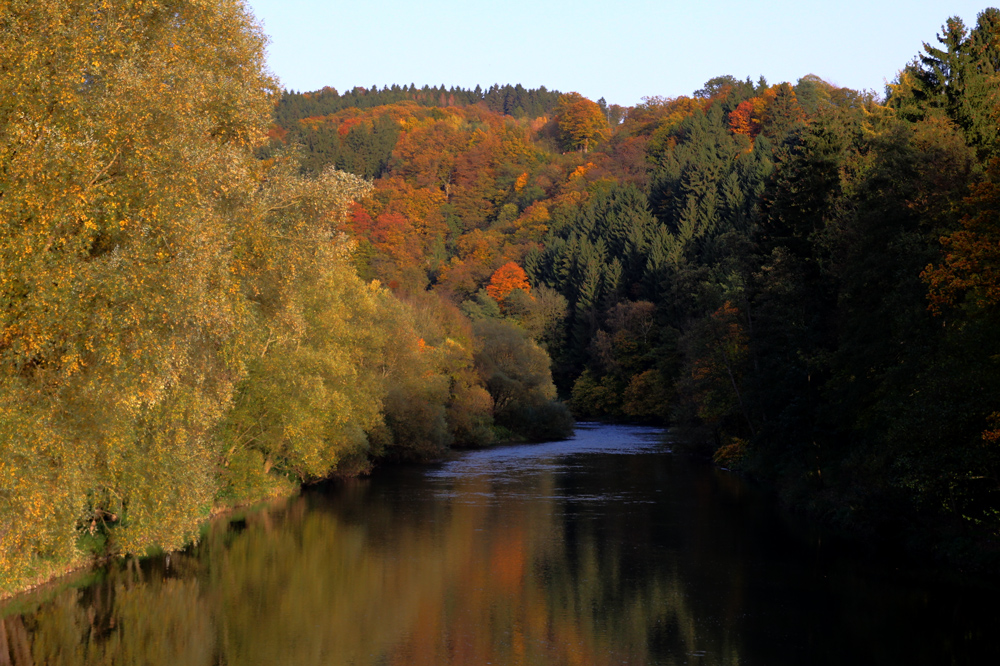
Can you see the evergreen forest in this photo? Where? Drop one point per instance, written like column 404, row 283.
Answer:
column 213, row 290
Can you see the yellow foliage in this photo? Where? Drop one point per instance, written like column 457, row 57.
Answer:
column 521, row 181
column 581, row 121
column 732, row 453
column 126, row 162
column 179, row 321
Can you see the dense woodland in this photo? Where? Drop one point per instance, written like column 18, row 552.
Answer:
column 212, row 291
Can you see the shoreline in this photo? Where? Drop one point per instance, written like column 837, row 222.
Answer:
column 61, row 576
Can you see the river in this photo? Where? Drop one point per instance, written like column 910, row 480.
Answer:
column 605, row 549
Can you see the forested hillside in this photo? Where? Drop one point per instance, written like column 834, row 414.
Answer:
column 805, row 275
column 211, row 291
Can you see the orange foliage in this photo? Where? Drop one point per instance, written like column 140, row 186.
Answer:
column 390, row 229
column 478, row 252
column 971, row 268
column 393, row 235
column 506, row 279
column 425, row 153
column 746, row 119
column 582, row 170
column 536, row 124
column 992, row 436
column 521, row 181
column 461, row 196
column 399, row 112
column 533, row 223
column 970, row 274
column 277, row 133
column 347, row 125
column 402, row 221
column 479, row 246
column 421, row 204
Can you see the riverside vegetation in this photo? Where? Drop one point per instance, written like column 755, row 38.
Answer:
column 212, row 291
column 182, row 325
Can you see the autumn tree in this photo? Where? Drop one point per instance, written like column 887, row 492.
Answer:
column 970, row 273
column 580, row 121
column 126, row 164
column 748, row 117
column 965, row 287
column 506, row 279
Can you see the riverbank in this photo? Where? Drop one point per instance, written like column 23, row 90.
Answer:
column 852, row 508
column 74, row 573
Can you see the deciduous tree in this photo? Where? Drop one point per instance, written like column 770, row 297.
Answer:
column 581, row 122
column 506, row 279
column 127, row 133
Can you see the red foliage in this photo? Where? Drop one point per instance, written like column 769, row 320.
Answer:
column 747, row 117
column 347, row 125
column 359, row 221
column 276, row 132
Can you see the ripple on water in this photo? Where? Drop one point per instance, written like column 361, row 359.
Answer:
column 549, row 456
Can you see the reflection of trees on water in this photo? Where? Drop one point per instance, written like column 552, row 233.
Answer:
column 617, row 559
column 367, row 578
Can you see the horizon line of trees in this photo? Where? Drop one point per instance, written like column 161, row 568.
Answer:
column 511, row 100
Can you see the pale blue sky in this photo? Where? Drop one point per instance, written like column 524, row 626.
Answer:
column 622, row 50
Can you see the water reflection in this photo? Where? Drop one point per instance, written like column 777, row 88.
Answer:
column 604, row 550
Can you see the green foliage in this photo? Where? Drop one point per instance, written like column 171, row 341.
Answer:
column 539, row 421
column 365, row 150
column 510, row 100
column 958, row 79
column 515, row 371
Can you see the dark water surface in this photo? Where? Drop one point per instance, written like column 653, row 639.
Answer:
column 606, row 549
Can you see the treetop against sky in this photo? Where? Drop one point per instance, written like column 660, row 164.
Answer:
column 622, row 51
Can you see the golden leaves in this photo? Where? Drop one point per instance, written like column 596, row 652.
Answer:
column 126, row 170
column 581, row 121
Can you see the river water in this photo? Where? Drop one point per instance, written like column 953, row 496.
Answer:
column 605, row 549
